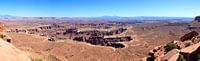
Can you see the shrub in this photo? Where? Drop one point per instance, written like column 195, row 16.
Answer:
column 170, row 46
column 196, row 40
column 187, row 44
column 37, row 59
column 181, row 58
column 2, row 36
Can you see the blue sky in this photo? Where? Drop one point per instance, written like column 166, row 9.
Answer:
column 95, row 8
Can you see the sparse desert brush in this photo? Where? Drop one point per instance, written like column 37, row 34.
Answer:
column 196, row 40
column 187, row 44
column 38, row 59
column 170, row 46
column 2, row 36
column 181, row 58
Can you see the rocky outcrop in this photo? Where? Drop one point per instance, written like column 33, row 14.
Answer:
column 171, row 55
column 185, row 47
column 156, row 53
column 69, row 31
column 95, row 40
column 197, row 18
column 45, row 27
column 96, row 37
column 189, row 36
column 195, row 24
column 191, row 51
column 93, row 32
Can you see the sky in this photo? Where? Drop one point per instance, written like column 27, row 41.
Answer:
column 96, row 8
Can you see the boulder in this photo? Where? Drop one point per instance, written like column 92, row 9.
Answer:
column 51, row 39
column 189, row 36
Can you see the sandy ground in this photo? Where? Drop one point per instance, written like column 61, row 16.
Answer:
column 11, row 53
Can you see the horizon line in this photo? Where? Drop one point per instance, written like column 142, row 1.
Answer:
column 96, row 16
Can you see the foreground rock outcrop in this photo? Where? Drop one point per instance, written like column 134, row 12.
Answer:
column 186, row 49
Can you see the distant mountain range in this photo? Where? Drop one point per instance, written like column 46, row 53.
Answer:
column 109, row 18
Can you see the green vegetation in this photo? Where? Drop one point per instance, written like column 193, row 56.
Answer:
column 187, row 44
column 37, row 59
column 196, row 40
column 181, row 58
column 170, row 46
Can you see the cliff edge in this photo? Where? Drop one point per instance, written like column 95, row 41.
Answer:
column 8, row 52
column 11, row 53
